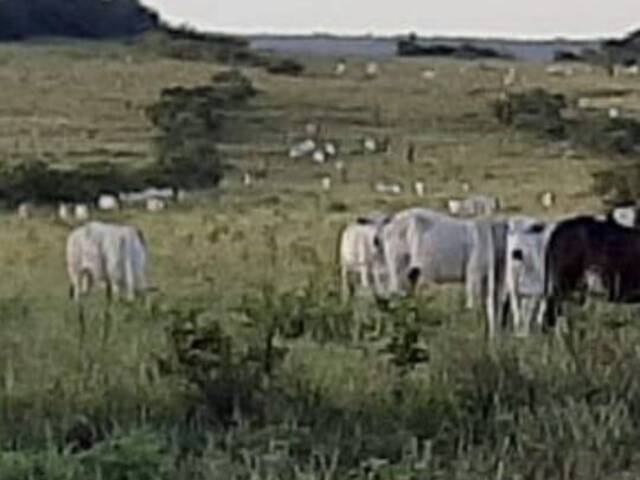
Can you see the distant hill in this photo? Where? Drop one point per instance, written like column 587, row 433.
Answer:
column 381, row 47
column 95, row 19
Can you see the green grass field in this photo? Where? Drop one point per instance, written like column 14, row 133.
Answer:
column 347, row 399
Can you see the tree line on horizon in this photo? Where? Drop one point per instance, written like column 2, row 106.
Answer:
column 94, row 19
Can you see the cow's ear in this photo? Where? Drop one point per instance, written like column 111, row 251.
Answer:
column 363, row 221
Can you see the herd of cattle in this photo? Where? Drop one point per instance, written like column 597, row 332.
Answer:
column 522, row 269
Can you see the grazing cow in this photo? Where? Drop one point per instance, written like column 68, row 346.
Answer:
column 388, row 188
column 369, row 144
column 356, row 254
column 302, row 149
column 428, row 74
column 319, row 156
column 156, row 204
column 25, row 211
column 330, row 149
column 64, row 213
column 81, row 212
column 326, row 183
column 526, row 241
column 420, row 188
column 547, row 199
column 340, row 69
column 247, row 179
column 113, row 255
column 509, row 78
column 478, row 205
column 420, row 247
column 592, row 257
column 371, row 70
column 167, row 194
column 559, row 70
column 312, row 129
column 108, row 202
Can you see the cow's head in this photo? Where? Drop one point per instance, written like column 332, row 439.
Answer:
column 526, row 240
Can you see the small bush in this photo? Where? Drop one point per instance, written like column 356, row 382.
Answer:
column 536, row 110
column 286, row 66
column 541, row 112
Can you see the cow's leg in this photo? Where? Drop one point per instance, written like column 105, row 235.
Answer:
column 344, row 283
column 364, row 276
column 516, row 307
column 491, row 301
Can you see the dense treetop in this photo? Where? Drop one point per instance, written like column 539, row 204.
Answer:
column 22, row 19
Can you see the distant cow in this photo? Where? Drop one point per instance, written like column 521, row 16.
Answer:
column 526, row 241
column 588, row 256
column 356, row 253
column 302, row 149
column 340, row 68
column 547, row 199
column 108, row 202
column 64, row 212
column 81, row 212
column 156, row 205
column 478, row 205
column 371, row 70
column 388, row 188
column 113, row 255
column 25, row 211
column 141, row 197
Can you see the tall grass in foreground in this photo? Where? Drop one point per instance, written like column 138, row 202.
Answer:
column 295, row 385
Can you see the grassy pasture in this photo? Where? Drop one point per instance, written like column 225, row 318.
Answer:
column 459, row 415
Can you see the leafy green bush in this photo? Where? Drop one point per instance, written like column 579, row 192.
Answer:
column 540, row 112
column 536, row 110
column 286, row 66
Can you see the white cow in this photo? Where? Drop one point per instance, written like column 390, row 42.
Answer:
column 143, row 196
column 356, row 253
column 371, row 70
column 108, row 202
column 325, row 182
column 428, row 74
column 302, row 149
column 156, row 204
column 526, row 243
column 25, row 211
column 340, row 69
column 81, row 212
column 319, row 156
column 113, row 255
column 64, row 213
column 547, row 199
column 509, row 78
column 388, row 188
column 421, row 247
column 477, row 205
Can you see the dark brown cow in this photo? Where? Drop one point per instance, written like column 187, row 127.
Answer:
column 589, row 256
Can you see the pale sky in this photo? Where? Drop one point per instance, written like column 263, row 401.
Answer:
column 495, row 18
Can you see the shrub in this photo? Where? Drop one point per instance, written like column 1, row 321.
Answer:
column 536, row 110
column 286, row 66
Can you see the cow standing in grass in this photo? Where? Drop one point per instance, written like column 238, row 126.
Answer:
column 422, row 247
column 113, row 255
column 356, row 253
column 588, row 256
column 526, row 242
